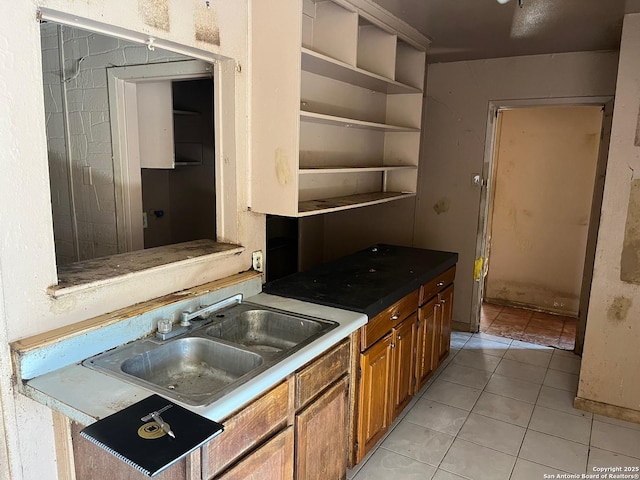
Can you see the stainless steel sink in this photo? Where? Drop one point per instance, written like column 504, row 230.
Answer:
column 265, row 330
column 227, row 348
column 192, row 367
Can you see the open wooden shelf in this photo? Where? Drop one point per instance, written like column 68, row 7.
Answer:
column 334, row 169
column 340, row 103
column 327, row 205
column 320, row 64
column 352, row 123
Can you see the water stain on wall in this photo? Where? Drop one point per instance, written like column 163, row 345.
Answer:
column 619, row 309
column 442, row 206
column 283, row 172
column 206, row 23
column 637, row 142
column 155, row 13
column 630, row 259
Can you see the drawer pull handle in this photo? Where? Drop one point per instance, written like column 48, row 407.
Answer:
column 440, row 284
column 399, row 337
column 393, row 345
column 395, row 316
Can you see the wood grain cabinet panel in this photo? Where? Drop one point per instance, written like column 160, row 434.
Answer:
column 272, row 461
column 374, row 412
column 404, row 337
column 381, row 324
column 245, row 429
column 400, row 350
column 321, row 373
column 444, row 317
column 433, row 287
column 426, row 361
column 321, row 436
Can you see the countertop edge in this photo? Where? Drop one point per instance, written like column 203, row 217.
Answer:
column 86, row 395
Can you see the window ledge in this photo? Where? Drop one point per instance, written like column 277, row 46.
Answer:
column 89, row 274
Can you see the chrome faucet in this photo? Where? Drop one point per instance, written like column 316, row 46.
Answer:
column 186, row 318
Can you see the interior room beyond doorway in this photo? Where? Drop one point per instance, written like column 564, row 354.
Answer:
column 540, row 211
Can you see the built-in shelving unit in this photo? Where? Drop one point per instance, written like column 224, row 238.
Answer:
column 356, row 138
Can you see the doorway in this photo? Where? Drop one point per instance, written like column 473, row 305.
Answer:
column 540, row 220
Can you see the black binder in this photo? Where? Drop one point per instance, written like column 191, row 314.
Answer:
column 144, row 444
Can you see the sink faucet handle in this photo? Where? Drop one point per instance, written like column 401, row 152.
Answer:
column 185, row 317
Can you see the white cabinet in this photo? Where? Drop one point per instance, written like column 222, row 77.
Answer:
column 155, row 124
column 336, row 123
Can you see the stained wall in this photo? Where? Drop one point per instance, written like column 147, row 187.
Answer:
column 610, row 371
column 453, row 149
column 27, row 253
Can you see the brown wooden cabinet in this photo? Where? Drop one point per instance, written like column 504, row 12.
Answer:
column 399, row 350
column 426, row 361
column 246, row 429
column 403, row 346
column 273, row 460
column 322, row 437
column 297, row 430
column 374, row 395
column 443, row 319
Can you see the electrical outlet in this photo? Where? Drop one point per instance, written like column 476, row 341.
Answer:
column 256, row 258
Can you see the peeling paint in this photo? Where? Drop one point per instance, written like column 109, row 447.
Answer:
column 619, row 309
column 206, row 23
column 283, row 172
column 442, row 206
column 637, row 140
column 630, row 258
column 155, row 13
column 63, row 305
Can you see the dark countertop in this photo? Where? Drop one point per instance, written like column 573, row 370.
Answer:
column 367, row 281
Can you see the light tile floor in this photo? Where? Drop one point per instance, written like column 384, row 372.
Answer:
column 500, row 409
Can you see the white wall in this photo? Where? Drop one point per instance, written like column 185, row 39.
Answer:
column 457, row 106
column 610, row 372
column 27, row 259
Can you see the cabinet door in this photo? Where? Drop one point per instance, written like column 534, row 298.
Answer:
column 374, row 413
column 425, row 359
column 403, row 378
column 444, row 318
column 155, row 124
column 321, row 436
column 273, row 461
column 246, row 429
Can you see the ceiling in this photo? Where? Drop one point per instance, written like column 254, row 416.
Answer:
column 475, row 29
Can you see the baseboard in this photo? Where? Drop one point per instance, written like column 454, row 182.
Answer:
column 461, row 327
column 607, row 410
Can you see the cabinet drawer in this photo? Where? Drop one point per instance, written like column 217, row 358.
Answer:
column 381, row 324
column 436, row 285
column 321, row 373
column 246, row 429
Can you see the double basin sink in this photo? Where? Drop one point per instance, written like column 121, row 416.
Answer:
column 217, row 354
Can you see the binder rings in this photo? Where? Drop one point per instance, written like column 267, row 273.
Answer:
column 146, row 444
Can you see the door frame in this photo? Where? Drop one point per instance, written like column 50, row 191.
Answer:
column 121, row 84
column 487, row 190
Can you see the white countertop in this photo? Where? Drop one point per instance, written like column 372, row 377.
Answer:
column 87, row 395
